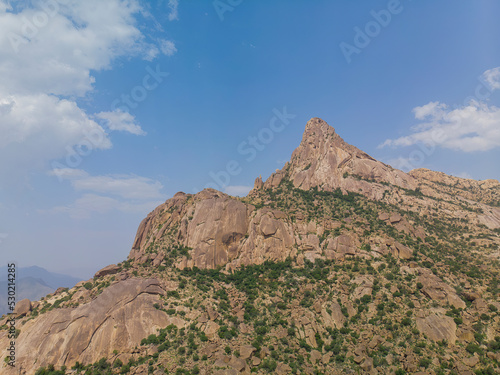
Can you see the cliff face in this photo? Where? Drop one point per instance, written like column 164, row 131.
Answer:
column 336, row 240
column 219, row 230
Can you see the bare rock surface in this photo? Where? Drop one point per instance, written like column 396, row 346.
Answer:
column 437, row 290
column 108, row 270
column 323, row 159
column 22, row 307
column 118, row 319
column 437, row 327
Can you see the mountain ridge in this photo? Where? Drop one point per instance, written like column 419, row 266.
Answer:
column 335, row 264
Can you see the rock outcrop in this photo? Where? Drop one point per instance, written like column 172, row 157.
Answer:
column 324, row 160
column 118, row 319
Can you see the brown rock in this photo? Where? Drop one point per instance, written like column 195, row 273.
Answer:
column 238, row 364
column 211, row 329
column 358, row 359
column 383, row 216
column 246, row 351
column 315, row 356
column 283, row 369
column 212, row 314
column 108, row 270
column 268, row 226
column 332, row 316
column 437, row 290
column 367, row 365
column 395, row 218
column 470, row 295
column 326, row 358
column 92, row 331
column 375, row 342
column 365, row 286
column 465, row 335
column 438, row 327
column 471, row 361
column 258, row 184
column 402, row 251
column 22, row 307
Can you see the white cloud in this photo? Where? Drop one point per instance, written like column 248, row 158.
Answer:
column 174, row 12
column 474, row 127
column 238, row 190
column 50, row 50
column 124, row 186
column 45, row 120
column 167, row 47
column 103, row 194
column 68, row 173
column 464, row 175
column 37, row 128
column 492, row 77
column 129, row 187
column 54, row 49
column 404, row 164
column 122, row 121
column 85, row 206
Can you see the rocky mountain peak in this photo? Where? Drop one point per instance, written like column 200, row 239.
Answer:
column 324, row 160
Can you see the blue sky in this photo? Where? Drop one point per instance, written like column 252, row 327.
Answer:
column 109, row 108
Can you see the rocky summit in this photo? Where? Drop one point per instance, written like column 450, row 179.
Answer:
column 336, row 264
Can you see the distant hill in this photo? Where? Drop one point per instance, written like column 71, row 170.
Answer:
column 32, row 283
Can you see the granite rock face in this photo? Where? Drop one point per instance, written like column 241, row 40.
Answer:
column 118, row 319
column 324, row 160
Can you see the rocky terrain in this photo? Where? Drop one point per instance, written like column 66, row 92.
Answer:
column 336, row 264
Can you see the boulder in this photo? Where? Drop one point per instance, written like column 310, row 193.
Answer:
column 108, row 270
column 438, row 327
column 315, row 356
column 246, row 351
column 22, row 307
column 437, row 290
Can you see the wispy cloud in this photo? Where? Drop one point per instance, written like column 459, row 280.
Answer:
column 167, row 47
column 474, row 127
column 238, row 190
column 492, row 77
column 174, row 11
column 121, row 121
column 102, row 194
column 89, row 204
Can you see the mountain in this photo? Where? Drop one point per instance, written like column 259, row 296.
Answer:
column 52, row 279
column 335, row 264
column 32, row 283
column 27, row 287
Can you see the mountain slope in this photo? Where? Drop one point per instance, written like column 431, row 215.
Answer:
column 336, row 264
